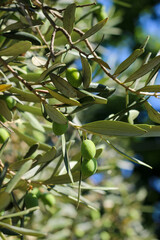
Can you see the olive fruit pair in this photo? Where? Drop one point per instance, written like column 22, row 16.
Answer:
column 74, row 77
column 89, row 163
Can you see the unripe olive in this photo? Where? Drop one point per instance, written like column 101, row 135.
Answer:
column 30, row 200
column 73, row 76
column 48, row 199
column 88, row 167
column 10, row 102
column 88, row 149
column 59, row 129
column 3, row 135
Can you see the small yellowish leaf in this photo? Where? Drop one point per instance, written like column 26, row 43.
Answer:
column 5, row 87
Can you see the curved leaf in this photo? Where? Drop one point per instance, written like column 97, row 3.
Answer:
column 16, row 49
column 86, row 72
column 69, row 17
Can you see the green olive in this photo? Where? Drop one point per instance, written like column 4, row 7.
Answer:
column 59, row 129
column 88, row 149
column 48, row 199
column 88, row 167
column 3, row 135
column 30, row 200
column 10, row 102
column 73, row 76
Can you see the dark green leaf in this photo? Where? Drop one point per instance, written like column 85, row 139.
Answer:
column 152, row 113
column 55, row 115
column 144, row 69
column 31, row 150
column 4, row 200
column 86, row 72
column 94, row 29
column 22, row 36
column 126, row 63
column 63, row 86
column 4, row 110
column 101, row 62
column 69, row 17
column 150, row 88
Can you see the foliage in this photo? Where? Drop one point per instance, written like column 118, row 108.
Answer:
column 38, row 43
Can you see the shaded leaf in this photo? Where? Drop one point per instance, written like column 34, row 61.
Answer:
column 94, row 29
column 133, row 159
column 55, row 115
column 126, row 63
column 30, row 109
column 4, row 200
column 86, row 72
column 22, row 36
column 152, row 113
column 153, row 74
column 4, row 110
column 13, row 182
column 63, row 86
column 63, row 99
column 101, row 62
column 69, row 17
column 50, row 70
column 113, row 128
column 46, row 157
column 23, row 231
column 24, row 95
column 65, row 157
column 5, row 87
column 31, row 150
column 144, row 69
column 16, row 49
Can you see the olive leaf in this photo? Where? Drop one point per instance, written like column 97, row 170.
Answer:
column 69, row 17
column 152, row 113
column 5, row 87
column 144, row 69
column 16, row 49
column 150, row 88
column 55, row 115
column 86, row 72
column 94, row 29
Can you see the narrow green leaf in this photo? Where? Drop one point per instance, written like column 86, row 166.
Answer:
column 31, row 141
column 49, row 71
column 23, row 231
column 65, row 157
column 153, row 75
column 55, row 115
column 4, row 200
column 30, row 109
column 63, row 86
column 94, row 29
column 69, row 17
column 13, row 182
column 100, row 88
column 126, row 63
column 16, row 49
column 24, row 95
column 101, row 62
column 22, row 36
column 133, row 159
column 94, row 188
column 33, row 121
column 122, row 3
column 144, row 69
column 63, row 99
column 150, row 88
column 152, row 113
column 112, row 128
column 151, row 130
column 86, row 72
column 4, row 110
column 46, row 157
column 18, row 214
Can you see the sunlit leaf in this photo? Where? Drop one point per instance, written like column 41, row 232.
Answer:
column 112, row 128
column 23, row 231
column 13, row 182
column 5, row 87
column 150, row 88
